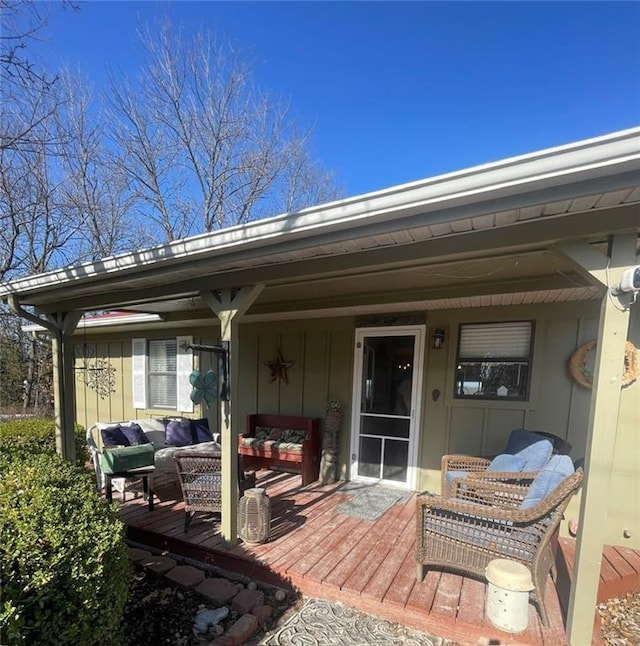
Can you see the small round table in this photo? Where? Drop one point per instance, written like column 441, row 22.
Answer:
column 146, row 473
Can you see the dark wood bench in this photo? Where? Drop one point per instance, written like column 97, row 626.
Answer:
column 273, row 452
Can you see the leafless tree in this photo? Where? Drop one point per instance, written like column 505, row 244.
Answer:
column 202, row 145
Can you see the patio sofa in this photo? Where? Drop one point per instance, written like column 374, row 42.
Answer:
column 164, row 436
column 282, row 442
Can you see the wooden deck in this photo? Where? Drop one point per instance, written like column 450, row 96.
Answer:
column 368, row 565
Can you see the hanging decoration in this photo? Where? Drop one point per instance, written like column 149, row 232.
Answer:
column 222, row 352
column 204, row 387
column 97, row 374
column 278, row 368
column 581, row 364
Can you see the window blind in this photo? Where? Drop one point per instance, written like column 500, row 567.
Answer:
column 495, row 340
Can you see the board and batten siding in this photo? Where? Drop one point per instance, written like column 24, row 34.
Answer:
column 322, row 354
column 556, row 404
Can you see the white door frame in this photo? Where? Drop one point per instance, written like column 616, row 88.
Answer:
column 419, row 333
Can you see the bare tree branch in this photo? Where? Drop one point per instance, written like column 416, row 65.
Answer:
column 202, row 146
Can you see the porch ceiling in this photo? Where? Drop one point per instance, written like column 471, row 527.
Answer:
column 536, row 277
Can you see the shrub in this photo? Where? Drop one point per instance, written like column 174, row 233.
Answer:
column 65, row 570
column 21, row 438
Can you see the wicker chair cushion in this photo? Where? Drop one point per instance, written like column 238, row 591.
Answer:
column 558, row 468
column 534, row 448
column 521, row 438
column 536, row 455
column 452, row 475
column 507, row 463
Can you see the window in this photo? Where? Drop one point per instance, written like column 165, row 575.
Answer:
column 160, row 371
column 494, row 360
column 162, row 375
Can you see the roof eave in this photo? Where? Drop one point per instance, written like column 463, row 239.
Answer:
column 602, row 158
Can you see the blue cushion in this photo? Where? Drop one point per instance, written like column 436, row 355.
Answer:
column 536, row 456
column 200, row 431
column 521, row 438
column 134, row 434
column 450, row 476
column 506, row 462
column 179, row 433
column 558, row 468
column 113, row 436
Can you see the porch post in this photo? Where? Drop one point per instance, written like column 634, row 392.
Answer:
column 60, row 326
column 603, row 420
column 64, row 383
column 229, row 306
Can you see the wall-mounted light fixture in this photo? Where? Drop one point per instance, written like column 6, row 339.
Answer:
column 437, row 339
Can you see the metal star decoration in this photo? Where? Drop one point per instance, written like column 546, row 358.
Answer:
column 279, row 367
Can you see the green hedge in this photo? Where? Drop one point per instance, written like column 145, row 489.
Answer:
column 65, row 570
column 22, row 438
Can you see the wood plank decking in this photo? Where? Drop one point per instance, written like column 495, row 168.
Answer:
column 368, row 565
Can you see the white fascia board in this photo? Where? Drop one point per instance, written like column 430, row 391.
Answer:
column 599, row 157
column 107, row 321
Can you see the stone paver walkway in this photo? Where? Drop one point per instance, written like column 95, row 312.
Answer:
column 323, row 623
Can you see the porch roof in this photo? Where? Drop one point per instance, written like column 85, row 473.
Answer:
column 514, row 210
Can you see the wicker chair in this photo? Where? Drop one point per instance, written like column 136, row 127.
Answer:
column 456, row 466
column 200, row 476
column 484, row 522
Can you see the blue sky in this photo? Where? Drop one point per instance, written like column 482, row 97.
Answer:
column 400, row 91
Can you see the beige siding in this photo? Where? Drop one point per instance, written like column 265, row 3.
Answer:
column 322, row 352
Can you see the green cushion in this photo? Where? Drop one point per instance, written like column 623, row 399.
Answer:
column 126, row 457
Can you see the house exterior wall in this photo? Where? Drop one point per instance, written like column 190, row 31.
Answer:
column 115, row 351
column 322, row 354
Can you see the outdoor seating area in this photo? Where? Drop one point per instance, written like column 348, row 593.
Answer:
column 145, row 442
column 367, row 564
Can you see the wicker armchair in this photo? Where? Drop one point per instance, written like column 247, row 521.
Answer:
column 200, row 476
column 456, row 466
column 455, row 469
column 484, row 522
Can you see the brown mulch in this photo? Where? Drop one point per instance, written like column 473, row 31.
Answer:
column 621, row 620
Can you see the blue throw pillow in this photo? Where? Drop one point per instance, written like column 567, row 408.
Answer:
column 113, row 436
column 558, row 468
column 134, row 434
column 536, row 456
column 507, row 463
column 200, row 431
column 179, row 433
column 519, row 439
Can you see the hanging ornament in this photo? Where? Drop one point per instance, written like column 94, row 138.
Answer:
column 204, row 387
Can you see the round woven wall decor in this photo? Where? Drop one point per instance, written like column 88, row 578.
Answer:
column 578, row 361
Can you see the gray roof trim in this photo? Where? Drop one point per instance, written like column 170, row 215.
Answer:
column 602, row 160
